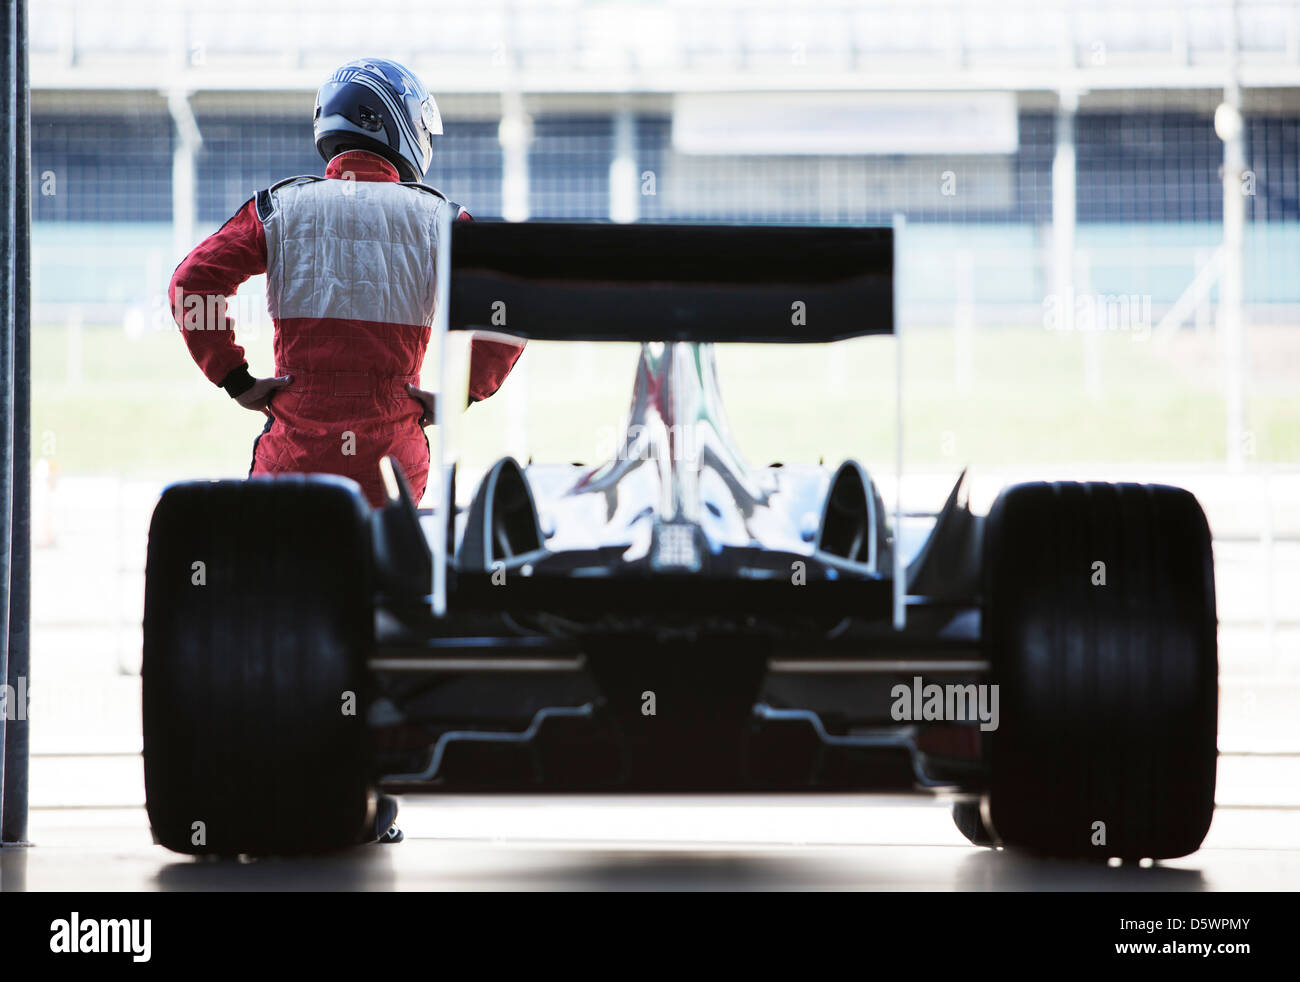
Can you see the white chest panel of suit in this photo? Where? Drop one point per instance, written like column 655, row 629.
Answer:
column 352, row 250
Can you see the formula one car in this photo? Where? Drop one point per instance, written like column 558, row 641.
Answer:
column 675, row 619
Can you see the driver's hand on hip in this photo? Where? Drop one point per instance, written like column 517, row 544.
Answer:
column 427, row 400
column 258, row 398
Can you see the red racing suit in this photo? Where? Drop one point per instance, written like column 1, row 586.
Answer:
column 350, row 262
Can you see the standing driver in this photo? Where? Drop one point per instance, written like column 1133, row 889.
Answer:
column 349, row 261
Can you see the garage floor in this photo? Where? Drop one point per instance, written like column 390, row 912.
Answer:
column 642, row 843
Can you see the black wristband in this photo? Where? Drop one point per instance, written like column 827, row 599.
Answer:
column 238, row 381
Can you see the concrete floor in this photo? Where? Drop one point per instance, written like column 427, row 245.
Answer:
column 647, row 843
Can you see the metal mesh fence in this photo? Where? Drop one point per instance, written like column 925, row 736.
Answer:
column 115, row 165
column 568, row 166
column 1147, row 176
column 102, row 166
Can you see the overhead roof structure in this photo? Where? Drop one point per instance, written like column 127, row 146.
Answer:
column 576, row 46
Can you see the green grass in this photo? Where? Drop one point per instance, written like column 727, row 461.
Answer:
column 140, row 407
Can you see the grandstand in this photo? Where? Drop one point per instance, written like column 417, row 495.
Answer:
column 606, row 93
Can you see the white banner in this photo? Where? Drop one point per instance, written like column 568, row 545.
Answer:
column 845, row 123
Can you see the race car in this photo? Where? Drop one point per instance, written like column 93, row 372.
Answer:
column 675, row 619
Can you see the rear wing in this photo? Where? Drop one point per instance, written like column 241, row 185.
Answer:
column 574, row 281
column 552, row 281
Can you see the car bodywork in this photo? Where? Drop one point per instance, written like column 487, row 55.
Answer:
column 672, row 618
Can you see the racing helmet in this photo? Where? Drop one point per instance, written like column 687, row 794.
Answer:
column 376, row 104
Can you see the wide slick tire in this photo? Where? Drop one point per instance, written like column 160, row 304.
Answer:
column 1100, row 627
column 258, row 621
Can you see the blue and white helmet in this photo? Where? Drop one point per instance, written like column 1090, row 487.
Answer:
column 376, row 104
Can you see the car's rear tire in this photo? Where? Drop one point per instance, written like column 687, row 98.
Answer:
column 1100, row 627
column 258, row 620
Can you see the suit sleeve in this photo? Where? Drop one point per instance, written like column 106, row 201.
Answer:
column 491, row 356
column 198, row 292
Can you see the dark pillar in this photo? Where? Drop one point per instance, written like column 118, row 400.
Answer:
column 15, row 430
